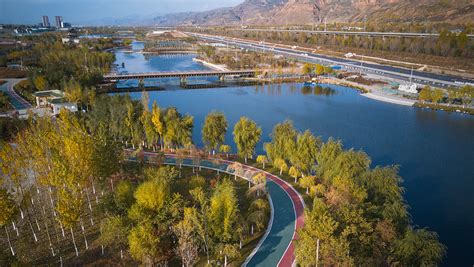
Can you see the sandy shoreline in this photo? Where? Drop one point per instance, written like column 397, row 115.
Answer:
column 389, row 99
column 211, row 65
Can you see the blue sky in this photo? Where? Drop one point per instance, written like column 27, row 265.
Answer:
column 86, row 11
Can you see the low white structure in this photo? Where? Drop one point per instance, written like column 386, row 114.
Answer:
column 58, row 105
column 408, row 88
column 54, row 101
column 69, row 40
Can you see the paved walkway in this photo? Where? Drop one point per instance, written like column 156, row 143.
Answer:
column 276, row 248
column 17, row 101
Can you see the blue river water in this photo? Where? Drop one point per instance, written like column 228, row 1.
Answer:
column 435, row 150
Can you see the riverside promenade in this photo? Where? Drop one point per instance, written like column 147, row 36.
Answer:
column 277, row 246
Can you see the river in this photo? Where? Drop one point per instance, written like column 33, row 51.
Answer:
column 435, row 150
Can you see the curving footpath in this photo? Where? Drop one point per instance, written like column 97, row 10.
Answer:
column 277, row 246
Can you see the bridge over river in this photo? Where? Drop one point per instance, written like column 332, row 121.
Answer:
column 183, row 75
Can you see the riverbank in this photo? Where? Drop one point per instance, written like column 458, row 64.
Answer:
column 446, row 108
column 211, row 65
column 372, row 92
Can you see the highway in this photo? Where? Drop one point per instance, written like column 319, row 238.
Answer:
column 382, row 34
column 419, row 77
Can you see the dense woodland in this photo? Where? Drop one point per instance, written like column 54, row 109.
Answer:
column 64, row 176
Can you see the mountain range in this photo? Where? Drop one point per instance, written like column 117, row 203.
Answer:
column 291, row 12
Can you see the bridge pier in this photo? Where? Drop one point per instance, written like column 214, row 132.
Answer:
column 221, row 78
column 183, row 81
column 141, row 83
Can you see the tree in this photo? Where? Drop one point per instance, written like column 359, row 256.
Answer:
column 225, row 149
column 258, row 214
column 327, row 155
column 9, row 209
column 467, row 94
column 307, row 182
column 425, row 94
column 223, row 212
column 293, row 172
column 320, row 225
column 437, row 95
column 187, row 248
column 328, row 70
column 283, row 141
column 144, row 244
column 178, row 131
column 157, row 120
column 151, row 135
column 214, row 130
column 152, row 195
column 113, row 233
column 305, row 153
column 259, row 181
column 246, row 136
column 40, row 83
column 319, row 69
column 419, row 248
column 123, row 195
column 281, row 164
column 307, row 69
column 262, row 159
column 201, row 219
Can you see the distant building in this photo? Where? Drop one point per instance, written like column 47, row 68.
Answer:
column 46, row 22
column 408, row 88
column 54, row 100
column 59, row 21
column 70, row 40
column 65, row 25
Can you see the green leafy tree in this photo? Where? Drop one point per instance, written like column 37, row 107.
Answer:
column 40, row 83
column 214, row 130
column 225, row 149
column 114, row 233
column 188, row 248
column 307, row 69
column 144, row 244
column 9, row 209
column 280, row 164
column 157, row 120
column 306, row 150
column 262, row 159
column 293, row 172
column 307, row 182
column 419, row 248
column 223, row 212
column 319, row 69
column 152, row 195
column 327, row 156
column 246, row 136
column 283, row 141
column 425, row 94
column 437, row 95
